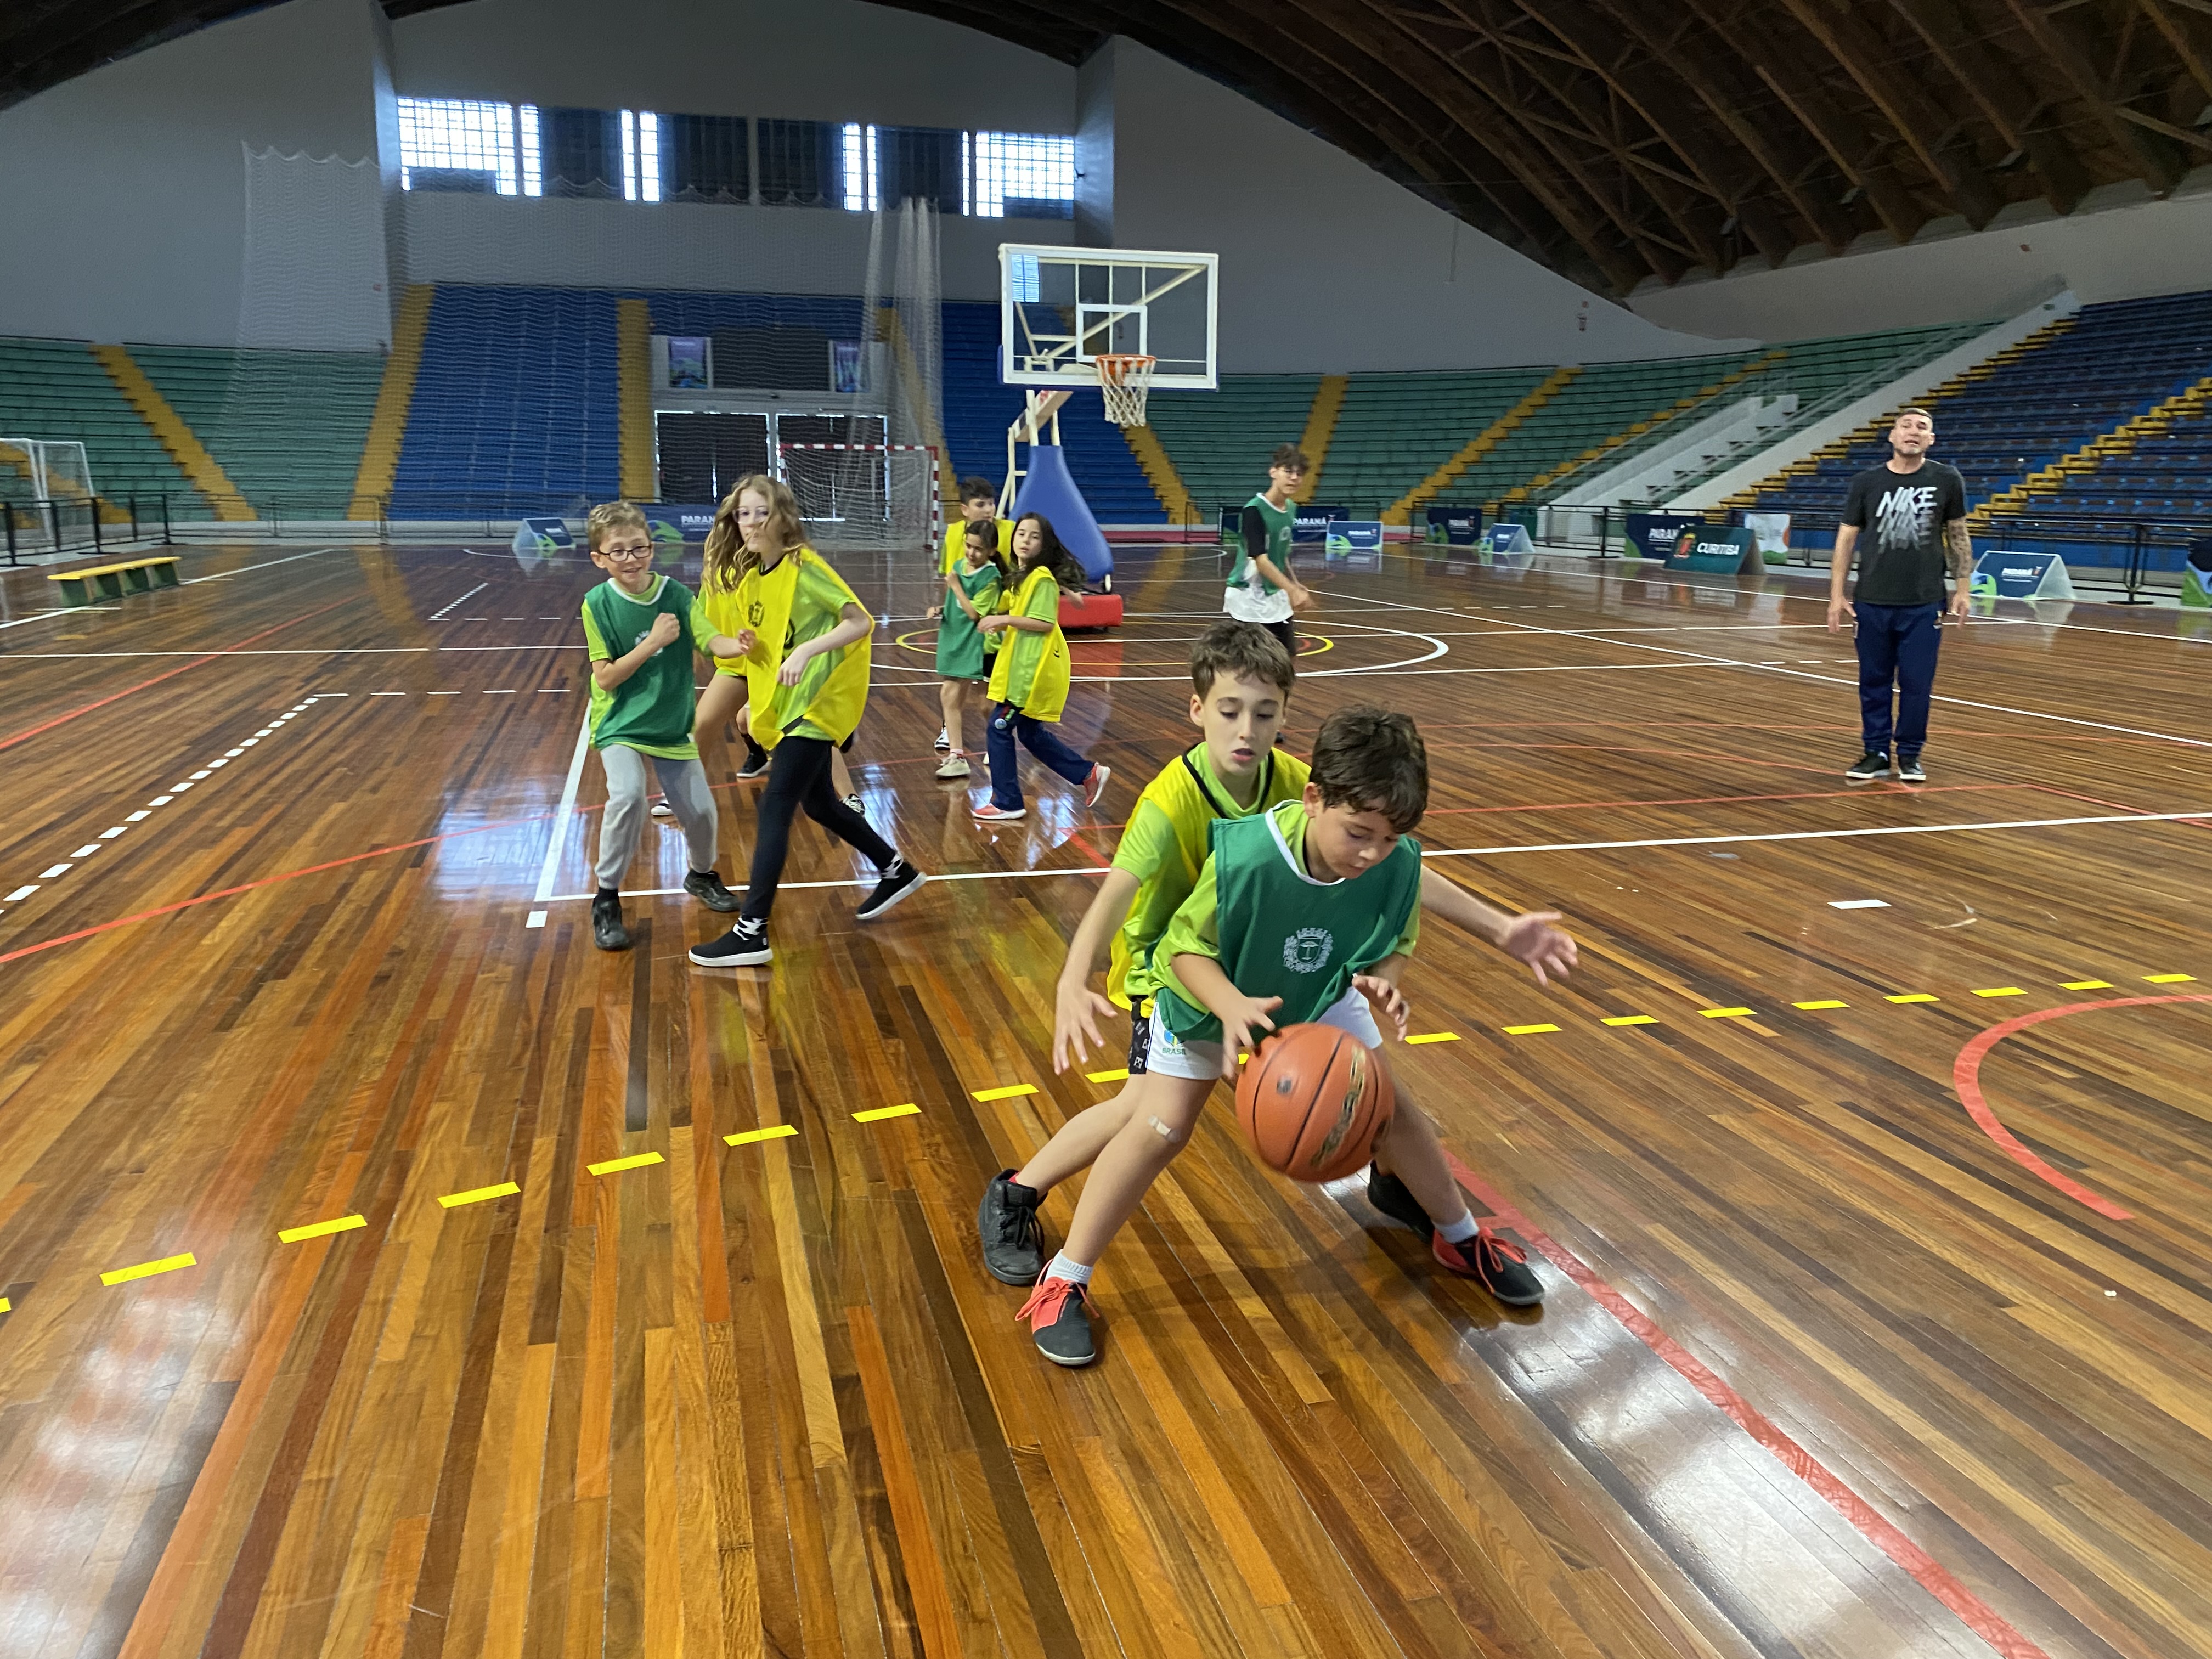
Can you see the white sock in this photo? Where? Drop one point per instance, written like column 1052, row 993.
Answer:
column 1459, row 1232
column 1063, row 1268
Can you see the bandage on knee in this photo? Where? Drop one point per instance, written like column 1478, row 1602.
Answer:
column 1163, row 1131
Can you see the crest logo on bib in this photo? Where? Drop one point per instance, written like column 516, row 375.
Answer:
column 1308, row 950
column 755, row 613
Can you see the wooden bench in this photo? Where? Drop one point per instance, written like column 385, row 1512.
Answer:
column 143, row 575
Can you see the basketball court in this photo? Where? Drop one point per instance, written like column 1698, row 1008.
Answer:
column 1860, row 1158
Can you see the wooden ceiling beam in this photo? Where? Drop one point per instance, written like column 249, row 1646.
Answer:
column 1907, row 105
column 1687, row 57
column 1996, row 87
column 2156, row 160
column 1655, row 98
column 2177, row 36
column 1849, row 144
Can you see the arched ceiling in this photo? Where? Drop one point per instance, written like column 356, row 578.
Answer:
column 1615, row 141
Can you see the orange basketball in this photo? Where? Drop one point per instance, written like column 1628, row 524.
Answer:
column 1312, row 1101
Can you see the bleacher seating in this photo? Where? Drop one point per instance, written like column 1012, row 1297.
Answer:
column 1604, row 401
column 1220, row 440
column 53, row 390
column 2002, row 421
column 1395, row 429
column 286, row 426
column 515, row 408
column 978, row 410
column 2168, row 476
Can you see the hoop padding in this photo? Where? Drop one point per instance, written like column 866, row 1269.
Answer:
column 1048, row 489
column 1125, row 380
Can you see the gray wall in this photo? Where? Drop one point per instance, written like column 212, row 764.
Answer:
column 2119, row 245
column 822, row 60
column 123, row 191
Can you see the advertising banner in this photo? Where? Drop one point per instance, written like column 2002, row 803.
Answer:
column 1714, row 548
column 672, row 524
column 2196, row 576
column 1456, row 526
column 1653, row 535
column 1313, row 518
column 2002, row 575
column 1771, row 532
column 541, row 535
column 1508, row 538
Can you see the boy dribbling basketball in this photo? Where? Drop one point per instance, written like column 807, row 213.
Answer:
column 1364, row 757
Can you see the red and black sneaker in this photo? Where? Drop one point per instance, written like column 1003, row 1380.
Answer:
column 1060, row 1322
column 1499, row 1268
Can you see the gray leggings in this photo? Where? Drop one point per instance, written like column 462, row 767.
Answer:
column 684, row 782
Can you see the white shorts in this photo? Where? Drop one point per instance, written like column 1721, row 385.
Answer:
column 1171, row 1057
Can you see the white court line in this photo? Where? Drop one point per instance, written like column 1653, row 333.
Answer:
column 1490, row 852
column 1597, row 636
column 440, row 616
column 567, row 809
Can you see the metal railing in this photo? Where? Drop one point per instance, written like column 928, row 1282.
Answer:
column 51, row 527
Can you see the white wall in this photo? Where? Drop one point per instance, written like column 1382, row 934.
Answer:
column 2117, row 246
column 822, row 60
column 684, row 245
column 123, row 191
column 1325, row 264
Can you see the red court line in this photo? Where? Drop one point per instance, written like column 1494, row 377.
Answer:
column 1932, row 1576
column 1966, row 1079
column 117, row 696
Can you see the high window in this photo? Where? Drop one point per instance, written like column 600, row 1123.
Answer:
column 456, row 144
column 1020, row 175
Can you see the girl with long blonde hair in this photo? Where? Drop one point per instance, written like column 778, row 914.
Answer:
column 726, row 562
column 803, row 638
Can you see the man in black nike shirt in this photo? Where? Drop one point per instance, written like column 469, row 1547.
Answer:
column 1912, row 513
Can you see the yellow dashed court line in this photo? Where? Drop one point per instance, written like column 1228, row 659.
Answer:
column 168, row 1264
column 1006, row 1093
column 1434, row 1036
column 910, row 1109
column 773, row 1132
column 1120, row 1074
column 5, row 1305
column 1825, row 1002
column 1725, row 1013
column 617, row 1165
column 1526, row 1031
column 2087, row 985
column 478, row 1195
column 345, row 1224
column 1914, row 996
column 1633, row 1019
column 2001, row 990
column 2169, row 979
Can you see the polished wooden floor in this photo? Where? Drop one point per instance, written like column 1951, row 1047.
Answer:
column 1876, row 1328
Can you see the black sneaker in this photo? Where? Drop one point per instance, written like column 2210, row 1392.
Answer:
column 1060, row 1322
column 900, row 881
column 1910, row 771
column 1867, row 768
column 1500, row 1268
column 1396, row 1200
column 944, row 736
column 1013, row 1239
column 707, row 887
column 607, row 930
column 744, row 945
column 755, row 764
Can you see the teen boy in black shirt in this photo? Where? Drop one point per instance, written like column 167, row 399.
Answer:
column 1912, row 512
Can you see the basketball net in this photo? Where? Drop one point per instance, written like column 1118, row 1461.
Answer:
column 1125, row 380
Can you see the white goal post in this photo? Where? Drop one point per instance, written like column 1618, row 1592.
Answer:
column 866, row 498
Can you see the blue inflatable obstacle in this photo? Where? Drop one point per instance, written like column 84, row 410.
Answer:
column 1047, row 489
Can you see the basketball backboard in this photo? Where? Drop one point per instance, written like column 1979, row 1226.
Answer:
column 1060, row 307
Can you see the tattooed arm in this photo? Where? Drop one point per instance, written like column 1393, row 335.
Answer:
column 1959, row 554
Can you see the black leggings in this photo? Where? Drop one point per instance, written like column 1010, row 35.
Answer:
column 1286, row 633
column 798, row 776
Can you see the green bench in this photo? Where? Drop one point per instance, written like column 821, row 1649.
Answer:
column 143, row 575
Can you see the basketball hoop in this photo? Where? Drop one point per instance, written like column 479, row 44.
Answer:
column 1124, row 380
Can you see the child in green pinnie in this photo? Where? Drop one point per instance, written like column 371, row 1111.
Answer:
column 972, row 589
